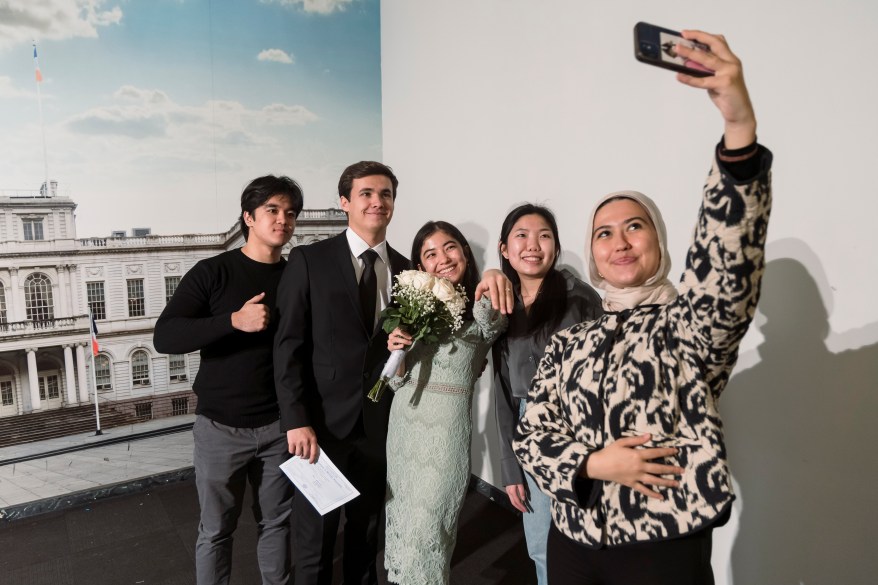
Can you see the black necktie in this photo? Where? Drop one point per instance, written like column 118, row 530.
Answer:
column 368, row 287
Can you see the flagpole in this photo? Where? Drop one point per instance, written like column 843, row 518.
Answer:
column 94, row 384
column 94, row 381
column 39, row 79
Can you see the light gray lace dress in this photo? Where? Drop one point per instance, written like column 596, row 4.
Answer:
column 428, row 449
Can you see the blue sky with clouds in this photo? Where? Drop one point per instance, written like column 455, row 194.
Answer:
column 158, row 112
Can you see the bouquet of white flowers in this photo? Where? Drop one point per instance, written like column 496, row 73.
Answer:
column 426, row 307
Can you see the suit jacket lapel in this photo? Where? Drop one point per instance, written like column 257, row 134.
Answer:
column 346, row 272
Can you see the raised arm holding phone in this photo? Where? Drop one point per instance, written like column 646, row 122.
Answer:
column 622, row 428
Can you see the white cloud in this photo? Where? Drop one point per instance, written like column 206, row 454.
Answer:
column 9, row 90
column 139, row 114
column 287, row 115
column 315, row 6
column 276, row 55
column 24, row 20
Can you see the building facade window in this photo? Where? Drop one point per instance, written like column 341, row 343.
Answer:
column 38, row 303
column 49, row 388
column 171, row 283
column 179, row 406
column 96, row 300
column 177, row 367
column 6, row 395
column 103, row 380
column 2, row 304
column 143, row 410
column 140, row 368
column 136, row 304
column 33, row 229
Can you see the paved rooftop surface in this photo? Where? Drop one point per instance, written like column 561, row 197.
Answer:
column 93, row 468
column 128, row 513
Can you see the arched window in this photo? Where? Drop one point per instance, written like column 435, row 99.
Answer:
column 140, row 368
column 2, row 304
column 38, row 302
column 102, row 373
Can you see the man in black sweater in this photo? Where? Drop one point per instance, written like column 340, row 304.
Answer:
column 225, row 307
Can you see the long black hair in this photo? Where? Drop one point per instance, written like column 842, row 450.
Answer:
column 550, row 304
column 470, row 276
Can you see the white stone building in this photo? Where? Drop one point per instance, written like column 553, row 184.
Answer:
column 48, row 280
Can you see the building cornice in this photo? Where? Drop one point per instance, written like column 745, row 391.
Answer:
column 312, row 219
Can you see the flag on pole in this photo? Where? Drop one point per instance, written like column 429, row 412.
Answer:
column 38, row 74
column 93, row 328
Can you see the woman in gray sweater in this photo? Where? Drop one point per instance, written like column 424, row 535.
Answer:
column 546, row 300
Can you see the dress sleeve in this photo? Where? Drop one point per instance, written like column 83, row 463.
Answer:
column 491, row 322
column 186, row 324
column 725, row 264
column 545, row 442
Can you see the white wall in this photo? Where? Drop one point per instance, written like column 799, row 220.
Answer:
column 490, row 103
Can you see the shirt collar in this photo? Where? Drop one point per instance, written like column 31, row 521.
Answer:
column 358, row 246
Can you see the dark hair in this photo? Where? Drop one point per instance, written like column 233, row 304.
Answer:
column 550, row 304
column 264, row 188
column 364, row 168
column 470, row 276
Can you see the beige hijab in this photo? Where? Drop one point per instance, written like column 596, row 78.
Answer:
column 657, row 290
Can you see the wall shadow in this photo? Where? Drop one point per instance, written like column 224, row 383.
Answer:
column 797, row 433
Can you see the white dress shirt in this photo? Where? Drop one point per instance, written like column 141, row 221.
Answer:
column 383, row 272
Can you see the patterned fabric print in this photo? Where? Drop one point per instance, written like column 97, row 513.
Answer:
column 428, row 449
column 656, row 369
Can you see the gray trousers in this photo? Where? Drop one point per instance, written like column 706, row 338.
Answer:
column 225, row 459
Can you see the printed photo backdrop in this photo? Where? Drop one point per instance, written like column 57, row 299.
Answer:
column 156, row 113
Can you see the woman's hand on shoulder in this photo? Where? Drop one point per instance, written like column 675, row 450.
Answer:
column 725, row 87
column 622, row 462
column 498, row 288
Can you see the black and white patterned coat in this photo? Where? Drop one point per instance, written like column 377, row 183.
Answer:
column 656, row 369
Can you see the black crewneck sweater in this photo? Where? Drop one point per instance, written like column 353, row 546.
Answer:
column 235, row 382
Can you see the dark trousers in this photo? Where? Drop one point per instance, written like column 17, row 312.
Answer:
column 225, row 459
column 364, row 463
column 679, row 561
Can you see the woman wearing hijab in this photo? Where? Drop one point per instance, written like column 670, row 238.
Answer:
column 622, row 428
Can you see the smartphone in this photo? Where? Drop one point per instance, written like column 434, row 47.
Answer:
column 655, row 45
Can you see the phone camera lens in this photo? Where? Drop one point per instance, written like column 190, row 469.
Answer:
column 648, row 49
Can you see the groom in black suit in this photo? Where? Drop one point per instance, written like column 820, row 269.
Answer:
column 328, row 352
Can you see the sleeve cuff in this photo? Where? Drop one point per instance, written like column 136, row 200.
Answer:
column 742, row 164
column 587, row 490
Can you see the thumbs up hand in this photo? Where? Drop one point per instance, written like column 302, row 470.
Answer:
column 253, row 316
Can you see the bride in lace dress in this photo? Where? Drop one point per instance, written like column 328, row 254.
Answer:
column 428, row 443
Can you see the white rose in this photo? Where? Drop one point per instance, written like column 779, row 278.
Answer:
column 421, row 280
column 404, row 278
column 443, row 290
column 412, row 278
